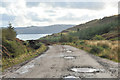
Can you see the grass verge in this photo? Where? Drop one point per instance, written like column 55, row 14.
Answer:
column 9, row 62
column 102, row 48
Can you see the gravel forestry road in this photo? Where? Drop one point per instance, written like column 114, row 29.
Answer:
column 63, row 61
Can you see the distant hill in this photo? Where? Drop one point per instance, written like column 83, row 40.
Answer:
column 111, row 20
column 42, row 29
column 107, row 27
column 98, row 29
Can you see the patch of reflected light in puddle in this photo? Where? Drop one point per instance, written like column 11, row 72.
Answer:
column 24, row 69
column 86, row 70
column 69, row 57
column 69, row 51
column 71, row 77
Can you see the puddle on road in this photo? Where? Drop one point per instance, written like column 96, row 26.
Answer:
column 71, row 77
column 24, row 69
column 29, row 66
column 86, row 70
column 69, row 51
column 69, row 57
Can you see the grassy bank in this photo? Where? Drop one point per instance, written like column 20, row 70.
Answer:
column 9, row 62
column 15, row 51
column 102, row 48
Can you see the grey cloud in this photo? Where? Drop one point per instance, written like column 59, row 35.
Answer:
column 4, row 24
column 79, row 5
column 71, row 17
column 6, row 17
column 4, row 4
column 66, row 18
column 34, row 17
column 32, row 4
column 87, row 5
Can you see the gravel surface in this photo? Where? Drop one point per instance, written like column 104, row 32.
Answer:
column 52, row 64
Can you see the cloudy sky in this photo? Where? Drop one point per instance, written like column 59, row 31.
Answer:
column 22, row 13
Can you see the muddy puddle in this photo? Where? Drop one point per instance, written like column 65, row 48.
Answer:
column 86, row 70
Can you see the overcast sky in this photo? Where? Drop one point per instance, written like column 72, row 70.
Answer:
column 23, row 13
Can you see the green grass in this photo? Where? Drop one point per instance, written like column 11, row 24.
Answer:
column 9, row 62
column 101, row 50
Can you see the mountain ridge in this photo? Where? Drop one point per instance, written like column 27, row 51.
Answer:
column 43, row 29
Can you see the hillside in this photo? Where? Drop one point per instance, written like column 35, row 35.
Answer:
column 107, row 27
column 96, row 22
column 42, row 29
column 99, row 37
column 15, row 51
column 98, row 29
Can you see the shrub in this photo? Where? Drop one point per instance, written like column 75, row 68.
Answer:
column 104, row 56
column 64, row 38
column 37, row 45
column 82, row 47
column 82, row 42
column 114, row 39
column 8, row 33
column 70, row 39
column 98, row 37
column 96, row 49
column 14, row 48
column 25, row 43
column 105, row 46
column 34, row 44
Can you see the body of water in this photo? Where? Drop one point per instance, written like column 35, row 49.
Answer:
column 30, row 36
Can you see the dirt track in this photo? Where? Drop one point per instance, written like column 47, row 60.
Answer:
column 59, row 61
